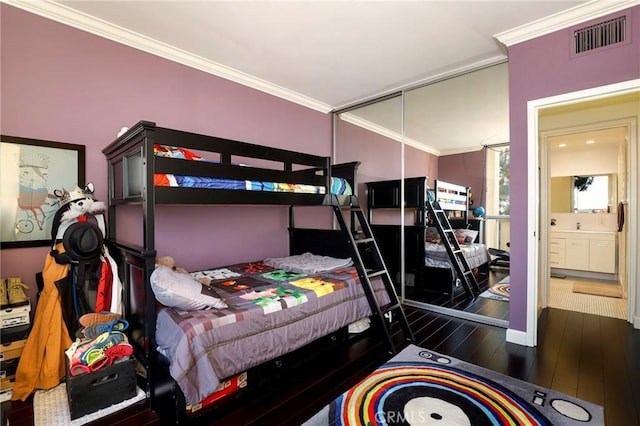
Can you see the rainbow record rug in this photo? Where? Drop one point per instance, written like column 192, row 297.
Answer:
column 422, row 387
column 500, row 291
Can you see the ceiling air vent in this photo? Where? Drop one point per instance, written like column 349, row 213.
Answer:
column 599, row 35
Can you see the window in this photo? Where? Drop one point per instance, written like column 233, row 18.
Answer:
column 498, row 202
column 497, row 180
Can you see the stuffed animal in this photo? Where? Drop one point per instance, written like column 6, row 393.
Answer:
column 78, row 205
column 74, row 207
column 170, row 262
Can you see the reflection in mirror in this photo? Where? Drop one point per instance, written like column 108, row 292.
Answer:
column 584, row 194
column 460, row 115
column 594, row 194
column 371, row 134
column 393, row 138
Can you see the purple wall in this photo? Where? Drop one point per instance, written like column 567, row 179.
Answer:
column 538, row 69
column 467, row 169
column 419, row 163
column 381, row 160
column 379, row 156
column 62, row 84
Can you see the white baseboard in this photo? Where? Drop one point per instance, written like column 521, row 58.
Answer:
column 636, row 322
column 516, row 336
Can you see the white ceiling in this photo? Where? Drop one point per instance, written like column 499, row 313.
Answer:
column 327, row 55
column 597, row 140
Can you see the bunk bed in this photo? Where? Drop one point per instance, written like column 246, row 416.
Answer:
column 426, row 260
column 455, row 200
column 191, row 358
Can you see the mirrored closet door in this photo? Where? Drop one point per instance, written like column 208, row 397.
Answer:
column 372, row 134
column 393, row 138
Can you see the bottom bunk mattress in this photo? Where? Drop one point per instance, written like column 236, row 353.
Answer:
column 269, row 312
column 436, row 255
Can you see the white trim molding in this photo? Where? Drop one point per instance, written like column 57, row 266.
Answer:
column 518, row 337
column 576, row 15
column 387, row 133
column 65, row 15
column 533, row 110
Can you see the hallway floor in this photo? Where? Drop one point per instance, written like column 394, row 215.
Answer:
column 561, row 296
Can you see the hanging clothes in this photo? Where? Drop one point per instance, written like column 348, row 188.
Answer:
column 42, row 363
column 103, row 297
column 116, row 285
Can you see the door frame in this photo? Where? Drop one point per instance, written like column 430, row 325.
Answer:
column 533, row 201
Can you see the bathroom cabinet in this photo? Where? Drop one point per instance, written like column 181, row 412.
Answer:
column 557, row 250
column 602, row 255
column 577, row 254
column 592, row 251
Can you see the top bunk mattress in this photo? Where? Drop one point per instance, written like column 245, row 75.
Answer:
column 339, row 186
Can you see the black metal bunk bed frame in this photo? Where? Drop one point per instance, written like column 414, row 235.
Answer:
column 444, row 198
column 131, row 168
column 424, row 202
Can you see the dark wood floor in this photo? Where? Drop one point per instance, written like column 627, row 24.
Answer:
column 590, row 357
column 497, row 309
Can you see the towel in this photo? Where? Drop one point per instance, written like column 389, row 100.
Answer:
column 620, row 216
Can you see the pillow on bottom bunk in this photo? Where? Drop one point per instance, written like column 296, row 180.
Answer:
column 466, row 236
column 432, row 235
column 182, row 291
column 308, row 263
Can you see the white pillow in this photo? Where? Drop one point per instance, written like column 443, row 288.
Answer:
column 469, row 235
column 182, row 291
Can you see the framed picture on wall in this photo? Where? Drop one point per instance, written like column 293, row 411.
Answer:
column 30, row 171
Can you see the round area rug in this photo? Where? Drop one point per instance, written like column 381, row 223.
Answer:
column 418, row 393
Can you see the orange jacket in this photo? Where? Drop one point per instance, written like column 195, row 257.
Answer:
column 42, row 364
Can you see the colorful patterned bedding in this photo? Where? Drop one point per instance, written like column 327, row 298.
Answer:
column 339, row 186
column 270, row 312
column 436, row 255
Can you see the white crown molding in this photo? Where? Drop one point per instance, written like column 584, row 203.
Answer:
column 372, row 127
column 461, row 150
column 576, row 15
column 79, row 20
column 375, row 128
column 422, row 147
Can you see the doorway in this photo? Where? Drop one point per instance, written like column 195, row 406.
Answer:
column 585, row 168
column 625, row 99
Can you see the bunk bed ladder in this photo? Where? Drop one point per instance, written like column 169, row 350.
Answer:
column 460, row 264
column 369, row 264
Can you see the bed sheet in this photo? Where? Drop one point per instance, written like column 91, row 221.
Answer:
column 339, row 186
column 436, row 255
column 270, row 312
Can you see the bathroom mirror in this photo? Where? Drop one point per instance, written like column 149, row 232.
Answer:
column 584, row 194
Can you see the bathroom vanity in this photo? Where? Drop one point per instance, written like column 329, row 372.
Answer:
column 591, row 251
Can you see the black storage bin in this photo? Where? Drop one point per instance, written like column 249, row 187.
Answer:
column 110, row 385
column 11, row 334
column 8, row 368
